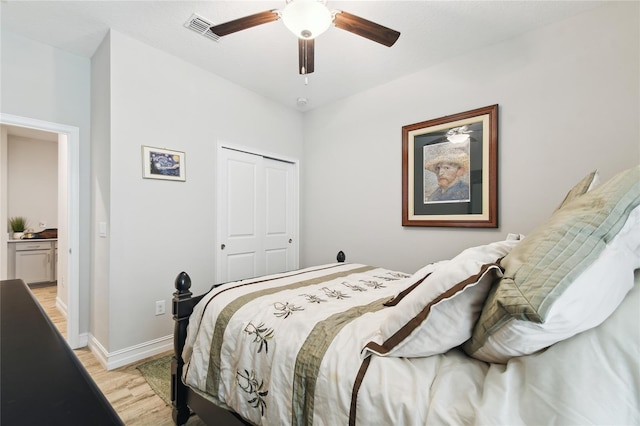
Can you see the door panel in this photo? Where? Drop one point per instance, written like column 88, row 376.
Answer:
column 257, row 213
column 279, row 211
column 241, row 200
column 276, row 201
column 238, row 210
column 240, row 266
column 276, row 261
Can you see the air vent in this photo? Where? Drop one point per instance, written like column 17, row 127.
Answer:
column 202, row 26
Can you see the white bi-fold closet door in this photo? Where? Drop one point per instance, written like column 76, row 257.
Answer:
column 257, row 215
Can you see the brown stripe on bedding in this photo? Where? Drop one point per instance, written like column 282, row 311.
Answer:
column 213, row 372
column 403, row 293
column 311, row 354
column 356, row 388
column 416, row 321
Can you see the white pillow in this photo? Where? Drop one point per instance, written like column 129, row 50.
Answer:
column 440, row 311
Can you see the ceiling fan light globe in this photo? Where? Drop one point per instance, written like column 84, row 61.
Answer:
column 306, row 18
column 458, row 138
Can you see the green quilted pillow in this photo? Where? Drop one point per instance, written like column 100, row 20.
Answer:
column 591, row 244
column 585, row 185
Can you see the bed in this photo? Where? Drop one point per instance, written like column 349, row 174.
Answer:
column 535, row 329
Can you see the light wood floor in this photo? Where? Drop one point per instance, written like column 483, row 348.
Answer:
column 125, row 388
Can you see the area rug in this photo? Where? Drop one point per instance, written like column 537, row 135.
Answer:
column 157, row 373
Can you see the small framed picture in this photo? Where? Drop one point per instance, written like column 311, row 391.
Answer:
column 450, row 170
column 160, row 163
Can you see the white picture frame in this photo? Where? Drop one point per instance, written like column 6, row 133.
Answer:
column 161, row 163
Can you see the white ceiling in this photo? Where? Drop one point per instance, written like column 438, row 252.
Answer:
column 264, row 58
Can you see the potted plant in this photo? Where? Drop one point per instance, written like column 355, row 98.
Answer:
column 18, row 225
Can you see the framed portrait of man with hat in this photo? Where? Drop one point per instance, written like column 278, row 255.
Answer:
column 449, row 170
column 446, row 173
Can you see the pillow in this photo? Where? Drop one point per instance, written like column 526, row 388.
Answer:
column 438, row 312
column 415, row 280
column 585, row 185
column 567, row 276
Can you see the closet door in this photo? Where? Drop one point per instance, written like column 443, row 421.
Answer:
column 257, row 214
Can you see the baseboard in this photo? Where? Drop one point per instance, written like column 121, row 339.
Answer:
column 129, row 355
column 61, row 306
column 43, row 284
column 83, row 340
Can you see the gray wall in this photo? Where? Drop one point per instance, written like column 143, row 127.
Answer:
column 569, row 103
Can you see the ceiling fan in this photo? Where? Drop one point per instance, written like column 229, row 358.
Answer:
column 307, row 19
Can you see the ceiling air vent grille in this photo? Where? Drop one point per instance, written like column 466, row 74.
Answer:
column 202, row 26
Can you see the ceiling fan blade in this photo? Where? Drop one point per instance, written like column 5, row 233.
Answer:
column 305, row 56
column 364, row 28
column 244, row 23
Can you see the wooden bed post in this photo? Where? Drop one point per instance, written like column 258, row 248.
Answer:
column 182, row 307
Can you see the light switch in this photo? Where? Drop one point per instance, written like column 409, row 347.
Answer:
column 102, row 229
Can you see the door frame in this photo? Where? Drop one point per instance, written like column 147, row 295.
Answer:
column 296, row 165
column 72, row 136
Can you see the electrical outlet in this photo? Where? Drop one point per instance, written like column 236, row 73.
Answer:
column 160, row 307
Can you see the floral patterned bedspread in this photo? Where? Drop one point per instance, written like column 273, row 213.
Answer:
column 285, row 348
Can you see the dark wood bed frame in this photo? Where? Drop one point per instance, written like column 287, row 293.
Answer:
column 185, row 402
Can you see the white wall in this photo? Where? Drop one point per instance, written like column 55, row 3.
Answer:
column 160, row 228
column 32, row 182
column 100, row 191
column 569, row 100
column 44, row 83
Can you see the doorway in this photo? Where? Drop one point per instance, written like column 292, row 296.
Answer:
column 68, row 212
column 257, row 214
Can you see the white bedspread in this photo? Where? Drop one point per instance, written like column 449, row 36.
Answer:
column 592, row 378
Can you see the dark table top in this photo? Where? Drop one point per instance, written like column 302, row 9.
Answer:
column 42, row 382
